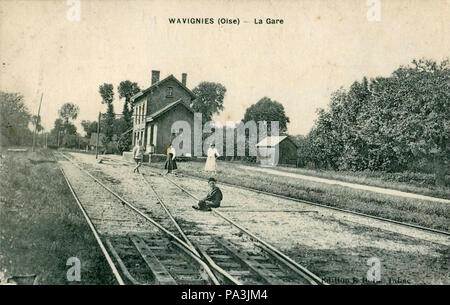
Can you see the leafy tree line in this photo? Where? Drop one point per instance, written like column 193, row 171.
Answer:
column 392, row 124
column 115, row 127
column 14, row 120
column 17, row 124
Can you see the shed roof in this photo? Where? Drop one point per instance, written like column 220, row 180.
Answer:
column 273, row 141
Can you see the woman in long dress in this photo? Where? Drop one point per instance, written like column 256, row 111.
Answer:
column 212, row 154
column 171, row 164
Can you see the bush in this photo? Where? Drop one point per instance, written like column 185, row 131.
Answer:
column 112, row 148
column 124, row 144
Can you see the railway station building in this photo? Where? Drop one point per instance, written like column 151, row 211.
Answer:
column 157, row 108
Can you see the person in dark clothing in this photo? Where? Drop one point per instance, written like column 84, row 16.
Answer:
column 212, row 200
column 170, row 164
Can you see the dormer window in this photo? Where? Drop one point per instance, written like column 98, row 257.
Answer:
column 169, row 92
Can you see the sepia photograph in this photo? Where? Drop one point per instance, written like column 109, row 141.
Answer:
column 214, row 144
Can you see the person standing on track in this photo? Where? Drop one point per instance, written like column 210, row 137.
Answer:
column 138, row 155
column 212, row 200
column 171, row 164
column 212, row 154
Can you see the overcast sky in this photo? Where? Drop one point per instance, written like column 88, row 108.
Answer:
column 321, row 46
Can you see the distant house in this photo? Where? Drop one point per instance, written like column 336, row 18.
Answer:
column 286, row 148
column 157, row 108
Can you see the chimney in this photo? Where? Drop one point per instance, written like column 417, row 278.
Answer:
column 155, row 76
column 183, row 78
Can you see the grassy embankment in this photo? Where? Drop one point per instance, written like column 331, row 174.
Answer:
column 421, row 212
column 423, row 184
column 41, row 225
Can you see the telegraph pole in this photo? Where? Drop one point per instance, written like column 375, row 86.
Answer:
column 37, row 122
column 98, row 135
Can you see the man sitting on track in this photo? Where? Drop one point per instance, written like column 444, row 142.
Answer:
column 138, row 155
column 212, row 200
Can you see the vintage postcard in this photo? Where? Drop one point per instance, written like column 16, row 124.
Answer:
column 226, row 142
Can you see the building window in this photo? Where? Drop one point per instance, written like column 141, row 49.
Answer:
column 169, row 92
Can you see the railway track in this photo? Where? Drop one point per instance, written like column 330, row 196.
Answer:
column 387, row 220
column 181, row 256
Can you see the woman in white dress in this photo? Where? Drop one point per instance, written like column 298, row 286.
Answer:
column 212, row 154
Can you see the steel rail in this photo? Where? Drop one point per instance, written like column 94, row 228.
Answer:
column 219, row 269
column 177, row 239
column 161, row 202
column 94, row 231
column 308, row 275
column 311, row 277
column 405, row 224
column 132, row 207
column 121, row 264
column 208, row 259
column 200, row 261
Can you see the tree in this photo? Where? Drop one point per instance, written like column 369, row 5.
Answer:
column 107, row 93
column 63, row 128
column 412, row 112
column 61, row 132
column 304, row 147
column 68, row 111
column 58, row 125
column 14, row 120
column 267, row 110
column 126, row 90
column 393, row 124
column 36, row 121
column 89, row 127
column 336, row 142
column 209, row 99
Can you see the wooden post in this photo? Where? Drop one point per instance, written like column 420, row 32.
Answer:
column 98, row 135
column 36, row 123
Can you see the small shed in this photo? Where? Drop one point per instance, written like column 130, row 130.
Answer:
column 275, row 150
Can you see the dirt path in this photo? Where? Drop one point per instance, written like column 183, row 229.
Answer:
column 347, row 184
column 334, row 245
